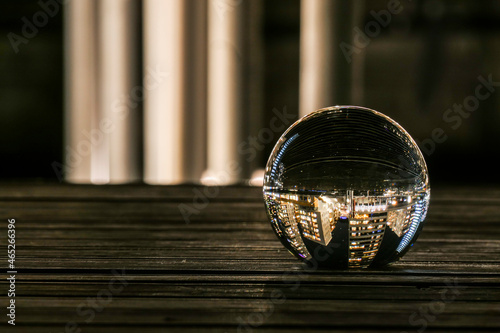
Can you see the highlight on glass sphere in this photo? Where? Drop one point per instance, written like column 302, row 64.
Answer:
column 346, row 187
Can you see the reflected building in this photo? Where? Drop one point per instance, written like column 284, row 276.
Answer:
column 305, row 217
column 397, row 220
column 366, row 232
column 287, row 215
column 317, row 221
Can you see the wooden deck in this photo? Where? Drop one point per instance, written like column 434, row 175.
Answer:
column 124, row 259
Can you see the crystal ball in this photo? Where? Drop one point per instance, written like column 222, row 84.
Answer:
column 346, row 187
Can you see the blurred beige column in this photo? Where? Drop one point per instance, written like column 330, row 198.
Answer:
column 117, row 158
column 101, row 123
column 81, row 88
column 175, row 90
column 325, row 73
column 226, row 108
column 254, row 170
column 358, row 60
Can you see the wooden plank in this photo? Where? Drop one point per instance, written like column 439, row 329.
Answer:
column 222, row 328
column 217, row 311
column 58, row 192
column 258, row 290
column 297, row 276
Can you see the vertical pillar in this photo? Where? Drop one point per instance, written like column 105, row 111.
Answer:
column 325, row 74
column 226, row 108
column 358, row 59
column 101, row 127
column 255, row 172
column 117, row 158
column 80, row 88
column 174, row 49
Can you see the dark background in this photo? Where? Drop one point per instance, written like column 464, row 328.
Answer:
column 427, row 59
column 31, row 95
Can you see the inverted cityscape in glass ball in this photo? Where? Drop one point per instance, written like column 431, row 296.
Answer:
column 346, row 187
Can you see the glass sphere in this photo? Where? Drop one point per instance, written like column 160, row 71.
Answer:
column 346, row 187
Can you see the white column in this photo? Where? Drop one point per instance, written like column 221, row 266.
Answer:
column 358, row 59
column 80, row 88
column 117, row 158
column 225, row 91
column 325, row 75
column 195, row 90
column 315, row 55
column 101, row 126
column 174, row 98
column 255, row 90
